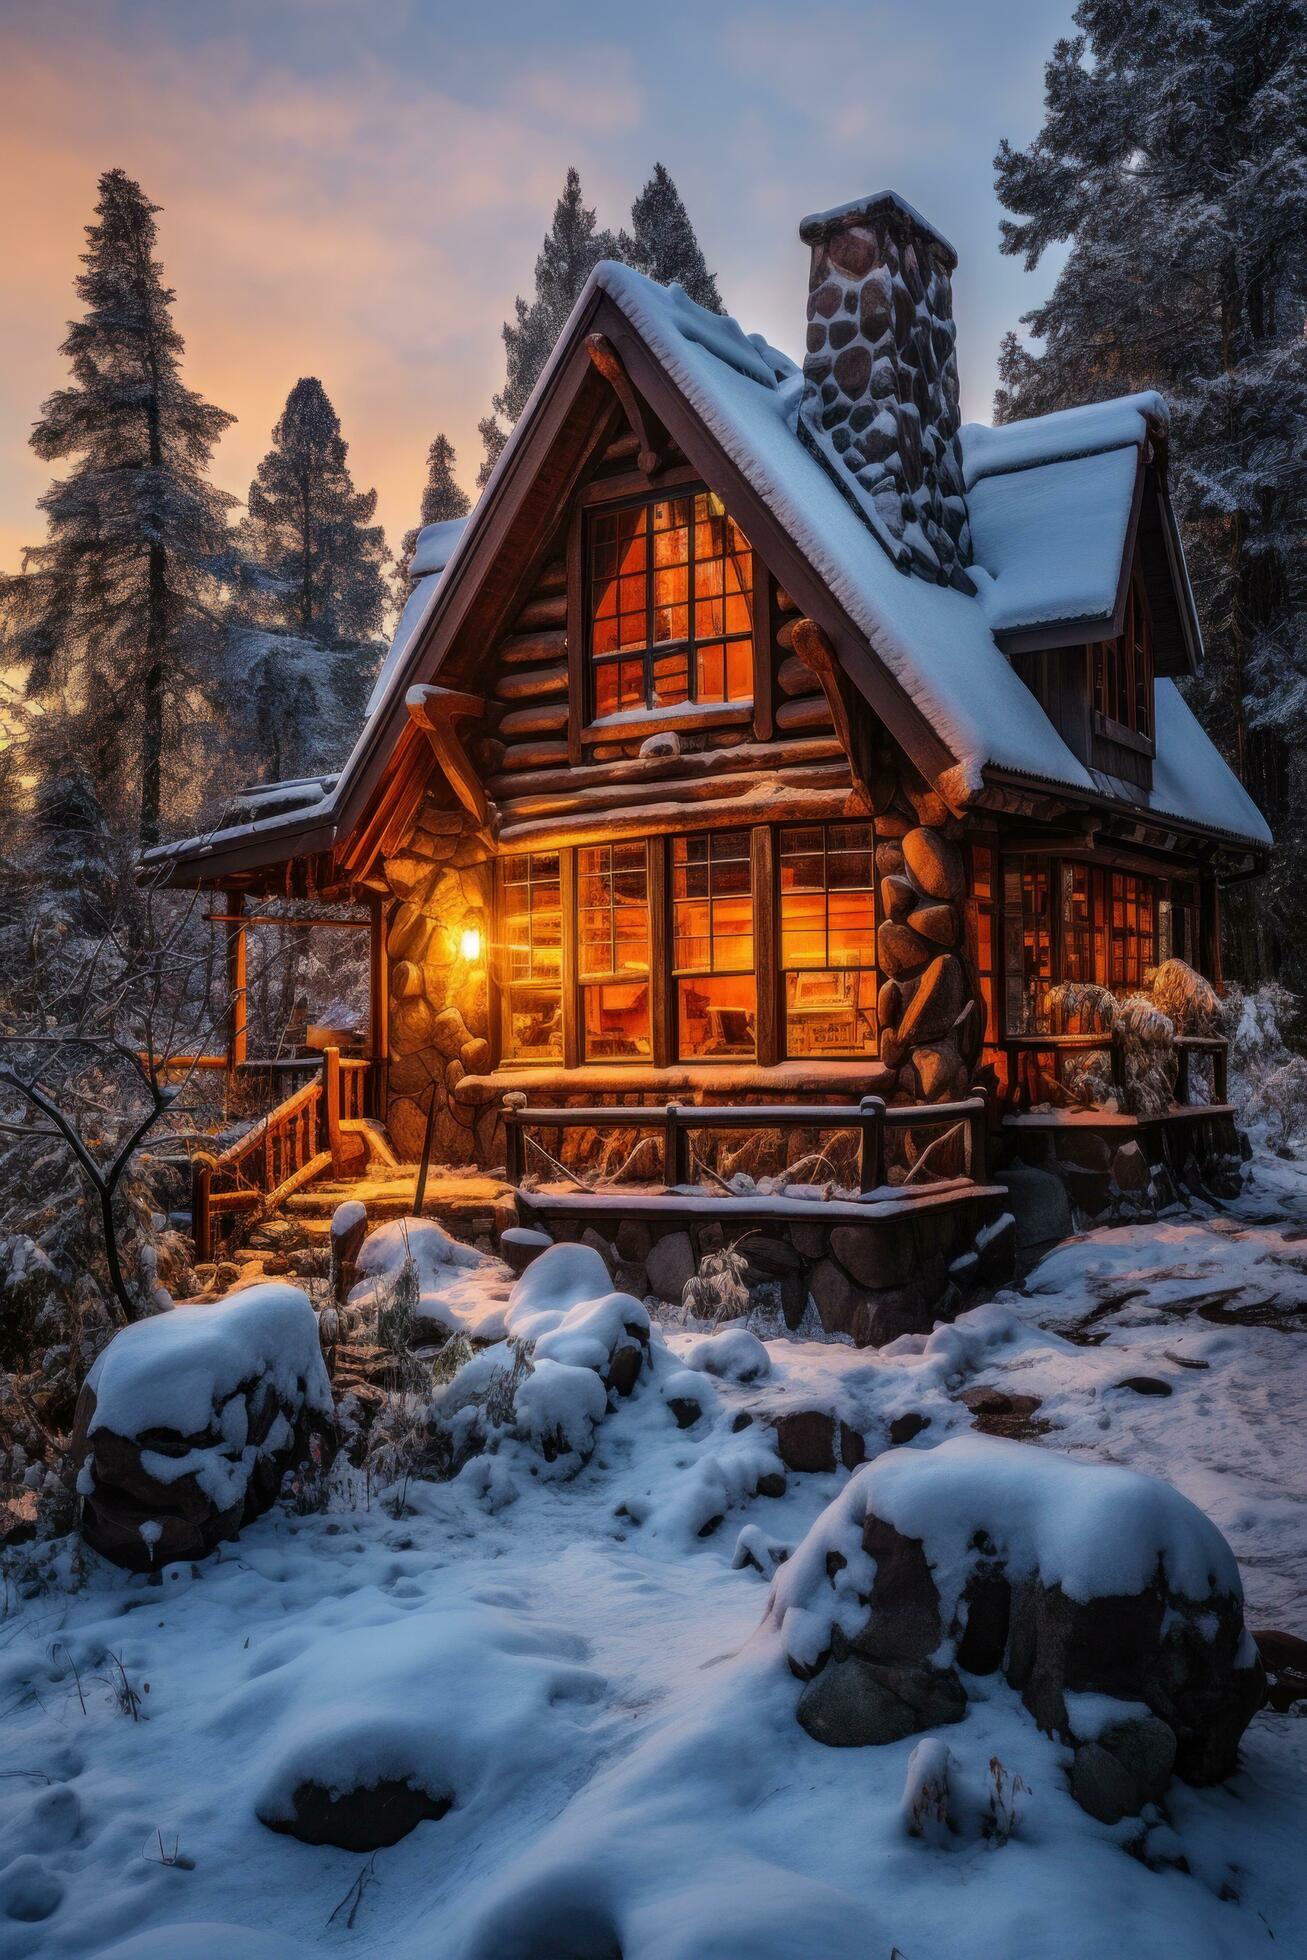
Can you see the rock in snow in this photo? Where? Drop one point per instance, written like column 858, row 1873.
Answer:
column 1075, row 1579
column 188, row 1422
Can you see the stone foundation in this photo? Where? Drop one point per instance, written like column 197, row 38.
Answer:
column 1076, row 1174
column 872, row 1276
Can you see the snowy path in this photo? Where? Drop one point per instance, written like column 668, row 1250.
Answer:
column 620, row 1739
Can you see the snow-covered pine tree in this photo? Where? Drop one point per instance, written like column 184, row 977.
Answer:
column 572, row 247
column 661, row 242
column 1173, row 156
column 116, row 612
column 442, row 500
column 302, row 656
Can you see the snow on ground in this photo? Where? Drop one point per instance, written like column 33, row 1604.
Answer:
column 583, row 1664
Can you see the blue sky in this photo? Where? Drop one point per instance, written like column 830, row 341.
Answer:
column 358, row 190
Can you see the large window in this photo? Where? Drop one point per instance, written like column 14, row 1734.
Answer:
column 1123, row 672
column 613, row 950
column 533, row 925
column 671, row 605
column 828, row 938
column 1107, row 933
column 712, row 957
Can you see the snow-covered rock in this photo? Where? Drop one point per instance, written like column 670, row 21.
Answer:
column 1073, row 1578
column 188, row 1422
column 453, row 1296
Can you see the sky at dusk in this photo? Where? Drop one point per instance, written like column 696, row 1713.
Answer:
column 357, row 190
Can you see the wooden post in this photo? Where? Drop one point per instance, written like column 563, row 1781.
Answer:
column 767, row 1043
column 673, row 1146
column 1221, row 1072
column 420, row 1195
column 871, row 1143
column 201, row 1216
column 378, row 1007
column 331, row 1097
column 512, row 1145
column 237, row 1008
column 976, row 1165
column 1182, row 1075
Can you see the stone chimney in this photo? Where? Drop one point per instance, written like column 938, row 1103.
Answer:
column 880, row 379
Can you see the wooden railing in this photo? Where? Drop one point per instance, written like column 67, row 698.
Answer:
column 285, row 1150
column 1108, row 1043
column 676, row 1122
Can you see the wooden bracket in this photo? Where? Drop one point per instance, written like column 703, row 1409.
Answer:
column 608, row 362
column 812, row 647
column 435, row 710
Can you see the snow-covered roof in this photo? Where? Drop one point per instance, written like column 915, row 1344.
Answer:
column 1048, row 541
column 435, row 546
column 1050, row 502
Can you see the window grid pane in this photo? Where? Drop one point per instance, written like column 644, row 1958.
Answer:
column 670, row 605
column 533, row 919
column 828, row 938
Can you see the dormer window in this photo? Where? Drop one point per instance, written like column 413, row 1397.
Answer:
column 1123, row 676
column 671, row 606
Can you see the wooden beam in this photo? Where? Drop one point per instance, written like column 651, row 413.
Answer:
column 813, row 648
column 652, row 441
column 435, row 710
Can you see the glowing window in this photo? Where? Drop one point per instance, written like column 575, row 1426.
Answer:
column 828, row 938
column 533, row 928
column 671, row 605
column 712, row 955
column 613, row 950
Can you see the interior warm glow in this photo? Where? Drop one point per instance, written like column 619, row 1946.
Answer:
column 469, row 944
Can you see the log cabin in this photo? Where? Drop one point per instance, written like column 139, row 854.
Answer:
column 767, row 742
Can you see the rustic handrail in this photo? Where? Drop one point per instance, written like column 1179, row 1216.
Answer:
column 284, row 1150
column 1108, row 1040
column 675, row 1121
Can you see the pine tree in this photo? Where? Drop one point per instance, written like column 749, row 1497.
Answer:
column 572, row 247
column 662, row 243
column 442, row 498
column 301, row 658
column 1173, row 156
column 310, row 531
column 115, row 612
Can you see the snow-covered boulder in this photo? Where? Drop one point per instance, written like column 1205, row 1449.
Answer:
column 1108, row 1599
column 189, row 1421
column 452, row 1295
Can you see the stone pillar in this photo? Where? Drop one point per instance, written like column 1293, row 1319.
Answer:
column 929, row 1014
column 439, row 1006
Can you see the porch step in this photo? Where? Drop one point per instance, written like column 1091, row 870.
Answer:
column 465, row 1207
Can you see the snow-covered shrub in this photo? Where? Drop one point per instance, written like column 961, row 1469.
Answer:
column 1189, row 1000
column 717, row 1290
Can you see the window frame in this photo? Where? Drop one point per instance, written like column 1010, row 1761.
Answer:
column 507, row 983
column 614, row 976
column 677, row 973
column 672, row 485
column 1123, row 674
column 785, row 969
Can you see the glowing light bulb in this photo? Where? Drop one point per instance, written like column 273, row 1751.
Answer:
column 469, row 944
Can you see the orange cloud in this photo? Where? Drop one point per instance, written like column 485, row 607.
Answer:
column 369, row 228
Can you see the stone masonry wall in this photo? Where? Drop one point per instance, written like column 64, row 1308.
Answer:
column 881, row 378
column 439, row 1008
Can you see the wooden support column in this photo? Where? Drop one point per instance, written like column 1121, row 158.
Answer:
column 572, row 1043
column 767, row 1038
column 1209, row 928
column 237, row 981
column 331, row 1097
column 378, row 1005
column 661, row 1019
